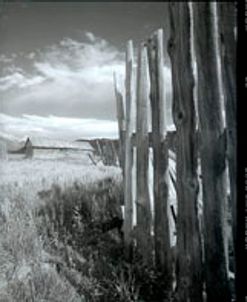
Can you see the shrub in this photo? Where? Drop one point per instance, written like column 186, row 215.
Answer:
column 77, row 223
column 23, row 274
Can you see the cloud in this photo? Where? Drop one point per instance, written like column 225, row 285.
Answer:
column 73, row 78
column 31, row 55
column 20, row 80
column 15, row 79
column 91, row 36
column 57, row 127
column 5, row 59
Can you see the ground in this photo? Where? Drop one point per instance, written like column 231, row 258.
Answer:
column 55, row 216
column 27, row 270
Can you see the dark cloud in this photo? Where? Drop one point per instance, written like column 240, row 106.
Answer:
column 34, row 25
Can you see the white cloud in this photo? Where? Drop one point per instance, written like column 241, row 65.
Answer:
column 57, row 127
column 91, row 37
column 20, row 80
column 31, row 55
column 68, row 78
column 32, row 81
column 77, row 54
column 5, row 59
column 15, row 79
column 53, row 72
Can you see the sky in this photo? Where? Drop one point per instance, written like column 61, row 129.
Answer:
column 57, row 62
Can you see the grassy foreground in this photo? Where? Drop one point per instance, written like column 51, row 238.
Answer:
column 62, row 241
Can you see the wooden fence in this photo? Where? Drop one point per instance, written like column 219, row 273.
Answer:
column 204, row 141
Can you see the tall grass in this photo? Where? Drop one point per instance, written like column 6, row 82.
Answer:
column 28, row 271
column 92, row 260
column 55, row 245
column 24, row 275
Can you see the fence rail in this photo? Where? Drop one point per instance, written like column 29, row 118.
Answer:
column 198, row 148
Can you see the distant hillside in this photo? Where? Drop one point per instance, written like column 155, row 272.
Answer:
column 11, row 142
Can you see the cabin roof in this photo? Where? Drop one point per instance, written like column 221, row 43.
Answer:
column 41, row 142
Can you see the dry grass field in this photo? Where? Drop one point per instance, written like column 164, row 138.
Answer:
column 61, row 235
column 28, row 256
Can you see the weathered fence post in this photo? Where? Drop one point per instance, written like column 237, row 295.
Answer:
column 212, row 151
column 121, row 122
column 144, row 242
column 189, row 262
column 227, row 26
column 128, row 200
column 160, row 156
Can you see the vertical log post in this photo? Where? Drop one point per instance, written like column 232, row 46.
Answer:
column 189, row 262
column 128, row 202
column 121, row 122
column 212, row 151
column 99, row 150
column 160, row 156
column 144, row 242
column 227, row 25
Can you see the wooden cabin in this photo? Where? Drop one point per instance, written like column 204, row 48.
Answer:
column 50, row 148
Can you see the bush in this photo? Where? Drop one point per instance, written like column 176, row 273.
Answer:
column 23, row 274
column 77, row 225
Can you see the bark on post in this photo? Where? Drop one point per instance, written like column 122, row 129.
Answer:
column 212, row 150
column 227, row 26
column 99, row 149
column 121, row 122
column 160, row 156
column 128, row 202
column 144, row 242
column 189, row 262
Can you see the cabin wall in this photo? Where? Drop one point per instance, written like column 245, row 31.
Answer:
column 60, row 154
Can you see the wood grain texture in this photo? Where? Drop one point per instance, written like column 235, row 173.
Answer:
column 128, row 161
column 121, row 122
column 144, row 242
column 227, row 26
column 212, row 152
column 189, row 262
column 160, row 156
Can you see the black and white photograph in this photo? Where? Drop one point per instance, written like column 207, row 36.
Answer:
column 118, row 152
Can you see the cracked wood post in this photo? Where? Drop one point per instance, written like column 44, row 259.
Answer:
column 189, row 261
column 227, row 26
column 144, row 242
column 212, row 151
column 160, row 156
column 128, row 161
column 121, row 122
